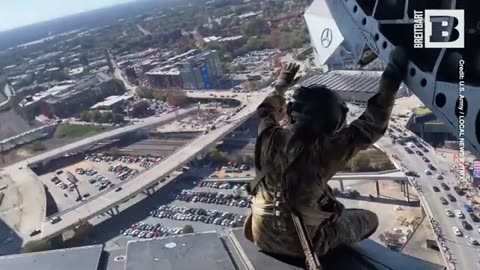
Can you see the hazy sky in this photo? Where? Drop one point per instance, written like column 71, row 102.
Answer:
column 15, row 13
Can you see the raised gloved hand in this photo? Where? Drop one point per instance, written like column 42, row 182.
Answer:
column 397, row 64
column 286, row 78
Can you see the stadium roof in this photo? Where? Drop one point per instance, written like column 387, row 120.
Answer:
column 82, row 258
column 207, row 251
column 345, row 82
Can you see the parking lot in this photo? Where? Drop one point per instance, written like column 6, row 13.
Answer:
column 97, row 173
column 208, row 206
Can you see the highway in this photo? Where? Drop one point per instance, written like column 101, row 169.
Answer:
column 393, row 175
column 101, row 204
column 144, row 123
column 465, row 254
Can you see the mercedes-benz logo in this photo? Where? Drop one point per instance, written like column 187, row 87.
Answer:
column 327, row 37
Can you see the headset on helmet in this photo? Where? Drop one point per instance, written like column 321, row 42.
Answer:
column 320, row 105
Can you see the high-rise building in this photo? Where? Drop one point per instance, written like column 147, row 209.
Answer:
column 195, row 71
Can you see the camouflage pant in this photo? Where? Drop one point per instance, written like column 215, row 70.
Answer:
column 351, row 227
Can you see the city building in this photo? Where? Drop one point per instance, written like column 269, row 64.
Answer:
column 428, row 127
column 68, row 99
column 191, row 70
column 113, row 103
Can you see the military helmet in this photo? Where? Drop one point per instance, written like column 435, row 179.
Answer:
column 320, row 106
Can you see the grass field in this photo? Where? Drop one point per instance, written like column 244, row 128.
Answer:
column 78, row 131
column 421, row 110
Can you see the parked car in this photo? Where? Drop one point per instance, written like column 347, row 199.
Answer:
column 466, row 225
column 457, row 231
column 451, row 197
column 459, row 214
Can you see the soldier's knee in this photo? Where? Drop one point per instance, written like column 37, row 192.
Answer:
column 372, row 220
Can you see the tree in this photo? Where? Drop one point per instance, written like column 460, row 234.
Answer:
column 85, row 116
column 83, row 59
column 118, row 118
column 237, row 158
column 239, row 67
column 95, row 116
column 384, row 164
column 106, row 117
column 188, row 229
column 251, row 85
column 217, row 157
column 257, row 26
column 361, row 162
column 36, row 246
column 38, row 146
column 249, row 160
column 140, row 109
column 144, row 92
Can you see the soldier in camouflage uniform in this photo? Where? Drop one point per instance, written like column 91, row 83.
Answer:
column 305, row 155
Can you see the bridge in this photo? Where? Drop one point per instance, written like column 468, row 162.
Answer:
column 392, row 175
column 109, row 200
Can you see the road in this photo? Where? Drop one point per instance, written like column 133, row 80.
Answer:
column 8, row 92
column 143, row 30
column 106, row 201
column 465, row 254
column 394, row 175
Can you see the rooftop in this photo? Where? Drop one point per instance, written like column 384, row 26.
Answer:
column 111, row 100
column 82, row 258
column 207, row 251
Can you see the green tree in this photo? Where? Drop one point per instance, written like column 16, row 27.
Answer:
column 361, row 163
column 36, row 246
column 144, row 92
column 251, row 85
column 96, row 116
column 38, row 146
column 84, row 116
column 384, row 164
column 257, row 26
column 106, row 117
column 249, row 160
column 139, row 109
column 217, row 157
column 118, row 118
column 188, row 229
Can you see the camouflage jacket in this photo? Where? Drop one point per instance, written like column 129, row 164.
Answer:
column 309, row 168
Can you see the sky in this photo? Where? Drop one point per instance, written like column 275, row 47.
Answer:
column 16, row 13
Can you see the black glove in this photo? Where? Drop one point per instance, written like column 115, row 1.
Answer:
column 286, row 78
column 397, row 64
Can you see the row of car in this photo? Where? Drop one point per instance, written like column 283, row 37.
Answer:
column 143, row 230
column 222, row 185
column 212, row 198
column 122, row 172
column 207, row 216
column 88, row 172
column 62, row 184
column 101, row 182
column 98, row 157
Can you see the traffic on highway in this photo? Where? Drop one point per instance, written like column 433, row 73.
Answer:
column 454, row 221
